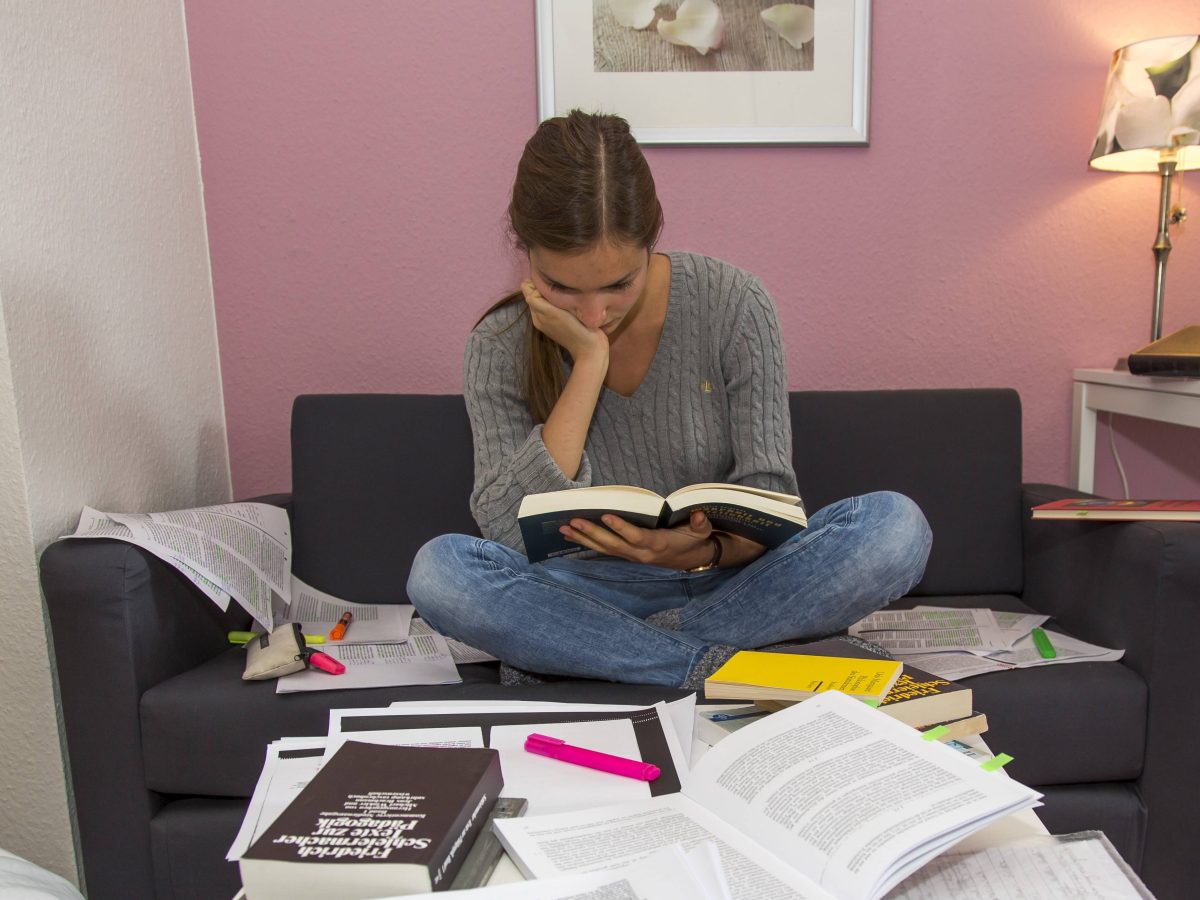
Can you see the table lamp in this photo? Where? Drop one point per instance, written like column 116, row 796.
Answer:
column 1150, row 122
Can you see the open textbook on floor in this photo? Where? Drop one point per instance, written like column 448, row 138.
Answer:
column 825, row 798
column 768, row 517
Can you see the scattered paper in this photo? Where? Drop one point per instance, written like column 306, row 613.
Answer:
column 551, row 785
column 408, row 737
column 290, row 765
column 546, row 783
column 461, row 653
column 905, row 631
column 665, row 875
column 424, row 659
column 238, row 550
column 954, row 666
column 1047, row 868
column 1067, row 649
column 373, row 623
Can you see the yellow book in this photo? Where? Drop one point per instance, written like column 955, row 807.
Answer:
column 755, row 675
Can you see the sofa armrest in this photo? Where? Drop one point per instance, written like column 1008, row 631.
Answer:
column 1135, row 586
column 121, row 621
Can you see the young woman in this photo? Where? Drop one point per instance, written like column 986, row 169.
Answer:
column 617, row 364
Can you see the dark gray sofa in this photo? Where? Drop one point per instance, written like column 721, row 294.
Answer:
column 165, row 741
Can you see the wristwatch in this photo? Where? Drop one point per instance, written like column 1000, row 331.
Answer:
column 716, row 557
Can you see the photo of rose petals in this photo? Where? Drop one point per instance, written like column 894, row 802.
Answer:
column 793, row 22
column 697, row 24
column 633, row 13
column 702, row 35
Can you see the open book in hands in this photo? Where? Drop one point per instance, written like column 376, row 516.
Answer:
column 827, row 798
column 767, row 517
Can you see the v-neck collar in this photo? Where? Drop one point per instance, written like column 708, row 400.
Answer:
column 667, row 333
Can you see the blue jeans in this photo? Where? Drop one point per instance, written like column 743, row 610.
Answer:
column 586, row 617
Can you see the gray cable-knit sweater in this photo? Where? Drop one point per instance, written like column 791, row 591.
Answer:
column 712, row 407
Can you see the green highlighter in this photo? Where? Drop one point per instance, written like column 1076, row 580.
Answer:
column 244, row 637
column 1042, row 642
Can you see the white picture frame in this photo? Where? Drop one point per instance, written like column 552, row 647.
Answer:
column 826, row 104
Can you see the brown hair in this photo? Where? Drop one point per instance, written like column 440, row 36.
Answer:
column 582, row 178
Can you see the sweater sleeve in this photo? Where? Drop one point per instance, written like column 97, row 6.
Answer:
column 756, row 384
column 510, row 458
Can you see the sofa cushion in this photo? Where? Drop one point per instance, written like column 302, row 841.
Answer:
column 206, row 731
column 1062, row 724
column 957, row 453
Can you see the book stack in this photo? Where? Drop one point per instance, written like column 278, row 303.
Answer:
column 776, row 680
column 792, row 677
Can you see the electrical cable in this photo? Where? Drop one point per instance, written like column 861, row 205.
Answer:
column 1112, row 444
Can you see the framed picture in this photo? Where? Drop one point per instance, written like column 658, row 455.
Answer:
column 710, row 71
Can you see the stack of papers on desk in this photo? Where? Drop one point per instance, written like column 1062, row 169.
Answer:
column 668, row 874
column 958, row 643
column 656, row 734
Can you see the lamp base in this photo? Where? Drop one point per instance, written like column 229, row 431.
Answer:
column 1175, row 354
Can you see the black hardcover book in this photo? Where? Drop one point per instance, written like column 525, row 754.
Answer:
column 1176, row 354
column 375, row 821
column 768, row 517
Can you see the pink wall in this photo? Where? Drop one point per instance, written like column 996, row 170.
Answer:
column 356, row 160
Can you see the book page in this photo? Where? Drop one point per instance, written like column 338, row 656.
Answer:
column 847, row 794
column 617, row 837
column 790, row 499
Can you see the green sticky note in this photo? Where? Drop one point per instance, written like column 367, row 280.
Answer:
column 996, row 762
column 934, row 733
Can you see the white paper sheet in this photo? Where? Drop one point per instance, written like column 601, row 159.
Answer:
column 906, row 631
column 560, row 785
column 407, row 737
column 240, row 549
column 280, row 780
column 669, row 874
column 1049, row 868
column 1068, row 649
column 373, row 623
column 423, row 659
column 551, row 785
column 461, row 652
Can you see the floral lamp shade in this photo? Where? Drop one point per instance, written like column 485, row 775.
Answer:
column 1151, row 109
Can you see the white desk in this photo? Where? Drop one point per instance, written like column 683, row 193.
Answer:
column 1169, row 399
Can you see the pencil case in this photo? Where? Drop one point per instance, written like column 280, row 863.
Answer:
column 273, row 655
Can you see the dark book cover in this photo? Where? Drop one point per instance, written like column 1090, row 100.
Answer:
column 376, row 820
column 919, row 698
column 1176, row 354
column 543, row 540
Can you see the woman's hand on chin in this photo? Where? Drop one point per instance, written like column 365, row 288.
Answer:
column 564, row 328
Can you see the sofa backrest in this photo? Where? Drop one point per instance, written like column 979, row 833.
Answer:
column 957, row 453
column 374, row 476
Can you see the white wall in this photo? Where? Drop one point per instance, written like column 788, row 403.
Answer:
column 109, row 385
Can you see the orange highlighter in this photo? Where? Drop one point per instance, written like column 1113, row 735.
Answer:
column 339, row 630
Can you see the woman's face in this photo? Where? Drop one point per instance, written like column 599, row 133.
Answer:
column 601, row 286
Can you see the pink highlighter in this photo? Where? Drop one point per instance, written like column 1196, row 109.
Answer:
column 543, row 745
column 323, row 661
